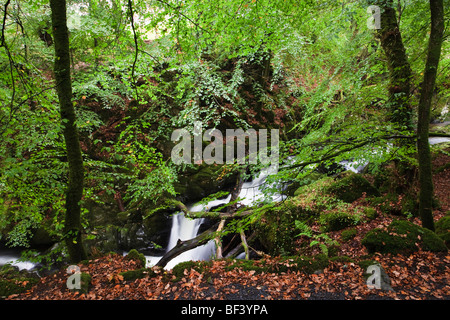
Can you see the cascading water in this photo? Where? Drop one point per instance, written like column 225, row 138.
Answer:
column 184, row 228
column 11, row 256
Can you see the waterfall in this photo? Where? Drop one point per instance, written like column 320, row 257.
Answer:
column 184, row 228
column 11, row 256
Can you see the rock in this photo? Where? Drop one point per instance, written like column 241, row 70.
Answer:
column 351, row 187
column 402, row 236
column 198, row 183
column 14, row 281
column 442, row 227
column 136, row 256
column 337, row 221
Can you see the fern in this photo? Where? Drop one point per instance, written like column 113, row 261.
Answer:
column 322, row 239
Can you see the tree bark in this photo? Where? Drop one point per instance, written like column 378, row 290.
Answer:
column 423, row 146
column 400, row 109
column 74, row 192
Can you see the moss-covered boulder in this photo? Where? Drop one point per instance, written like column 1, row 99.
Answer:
column 348, row 234
column 337, row 221
column 195, row 184
column 276, row 228
column 352, row 187
column 199, row 266
column 402, row 236
column 132, row 275
column 15, row 281
column 133, row 254
column 442, row 227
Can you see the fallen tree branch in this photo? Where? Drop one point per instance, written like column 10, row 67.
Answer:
column 210, row 214
column 183, row 246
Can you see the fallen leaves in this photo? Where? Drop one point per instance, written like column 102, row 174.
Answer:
column 338, row 281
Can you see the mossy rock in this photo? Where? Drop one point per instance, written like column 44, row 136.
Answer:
column 370, row 213
column 199, row 266
column 276, row 228
column 402, row 236
column 352, row 187
column 342, row 259
column 132, row 275
column 15, row 281
column 442, row 227
column 348, row 234
column 194, row 185
column 337, row 221
column 388, row 204
column 298, row 185
column 310, row 264
column 133, row 254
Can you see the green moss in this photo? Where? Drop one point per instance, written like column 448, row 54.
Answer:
column 364, row 264
column 199, row 266
column 276, row 227
column 402, row 236
column 370, row 213
column 310, row 178
column 352, row 187
column 248, row 265
column 133, row 254
column 13, row 281
column 311, row 264
column 132, row 275
column 348, row 234
column 337, row 221
column 442, row 227
column 388, row 204
column 341, row 259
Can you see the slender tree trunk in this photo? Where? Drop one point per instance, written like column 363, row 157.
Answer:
column 400, row 109
column 423, row 146
column 74, row 190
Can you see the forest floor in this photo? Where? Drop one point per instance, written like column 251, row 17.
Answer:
column 417, row 276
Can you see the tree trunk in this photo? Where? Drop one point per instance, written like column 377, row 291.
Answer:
column 74, row 192
column 423, row 146
column 400, row 110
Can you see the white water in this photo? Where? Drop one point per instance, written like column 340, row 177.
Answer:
column 437, row 140
column 184, row 228
column 11, row 257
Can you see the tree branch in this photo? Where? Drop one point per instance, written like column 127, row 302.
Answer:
column 130, row 6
